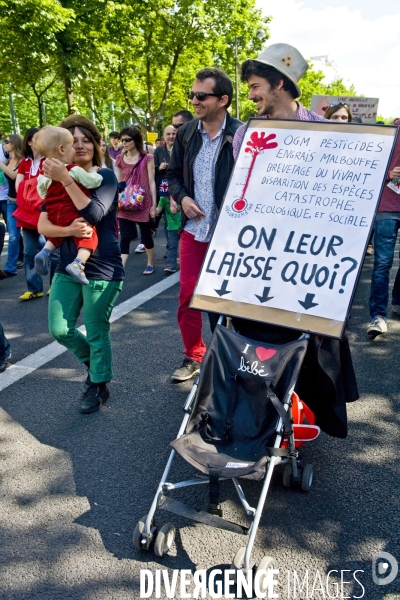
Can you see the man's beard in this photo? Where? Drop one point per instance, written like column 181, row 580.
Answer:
column 265, row 111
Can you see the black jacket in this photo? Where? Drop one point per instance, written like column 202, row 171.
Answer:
column 161, row 154
column 184, row 151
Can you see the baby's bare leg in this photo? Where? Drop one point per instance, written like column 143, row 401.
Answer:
column 84, row 254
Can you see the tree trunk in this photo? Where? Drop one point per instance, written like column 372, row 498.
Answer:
column 40, row 109
column 69, row 94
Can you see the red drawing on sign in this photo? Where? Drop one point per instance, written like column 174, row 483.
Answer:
column 255, row 146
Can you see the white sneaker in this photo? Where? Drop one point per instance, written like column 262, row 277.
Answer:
column 377, row 327
column 140, row 248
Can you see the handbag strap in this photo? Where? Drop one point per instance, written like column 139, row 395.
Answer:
column 133, row 168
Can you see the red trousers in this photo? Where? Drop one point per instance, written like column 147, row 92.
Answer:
column 191, row 255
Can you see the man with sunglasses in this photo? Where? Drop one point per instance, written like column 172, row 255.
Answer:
column 181, row 117
column 198, row 174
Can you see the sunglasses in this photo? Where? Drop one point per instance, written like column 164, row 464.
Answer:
column 178, row 125
column 7, row 141
column 201, row 95
column 339, row 104
column 127, row 140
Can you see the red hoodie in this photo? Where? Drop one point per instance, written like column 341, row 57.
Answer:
column 390, row 201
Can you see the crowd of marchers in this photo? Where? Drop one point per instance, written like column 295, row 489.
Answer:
column 72, row 202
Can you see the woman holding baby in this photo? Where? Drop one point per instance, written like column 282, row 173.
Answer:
column 103, row 268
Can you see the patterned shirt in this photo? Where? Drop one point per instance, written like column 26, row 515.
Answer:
column 302, row 115
column 204, row 176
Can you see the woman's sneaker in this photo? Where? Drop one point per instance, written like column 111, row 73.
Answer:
column 377, row 327
column 140, row 249
column 169, row 270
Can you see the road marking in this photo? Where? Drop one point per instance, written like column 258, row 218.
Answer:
column 40, row 357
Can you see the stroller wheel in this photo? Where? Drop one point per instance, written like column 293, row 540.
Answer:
column 287, row 475
column 164, row 540
column 266, row 563
column 138, row 535
column 237, row 562
column 307, row 477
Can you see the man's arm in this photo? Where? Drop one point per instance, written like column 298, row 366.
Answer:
column 238, row 139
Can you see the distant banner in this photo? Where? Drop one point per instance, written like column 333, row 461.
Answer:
column 365, row 108
column 292, row 233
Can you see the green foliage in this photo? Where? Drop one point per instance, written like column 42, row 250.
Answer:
column 313, row 83
column 122, row 61
column 387, row 121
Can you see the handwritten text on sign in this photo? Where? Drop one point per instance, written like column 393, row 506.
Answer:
column 296, row 218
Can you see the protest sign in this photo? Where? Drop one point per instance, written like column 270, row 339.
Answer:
column 365, row 108
column 292, row 232
column 151, row 137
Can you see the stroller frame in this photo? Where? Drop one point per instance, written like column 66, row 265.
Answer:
column 146, row 533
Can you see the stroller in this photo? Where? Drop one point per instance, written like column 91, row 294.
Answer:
column 242, row 418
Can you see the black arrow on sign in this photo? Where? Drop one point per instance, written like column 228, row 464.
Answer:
column 308, row 301
column 223, row 289
column 265, row 295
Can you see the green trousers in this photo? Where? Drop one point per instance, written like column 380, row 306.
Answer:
column 67, row 298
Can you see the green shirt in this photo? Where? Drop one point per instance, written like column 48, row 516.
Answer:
column 173, row 219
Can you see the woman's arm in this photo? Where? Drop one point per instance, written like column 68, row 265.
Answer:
column 102, row 198
column 19, row 179
column 9, row 172
column 153, row 191
column 56, row 170
column 79, row 228
column 118, row 173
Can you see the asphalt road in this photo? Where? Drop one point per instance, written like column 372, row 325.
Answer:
column 72, row 486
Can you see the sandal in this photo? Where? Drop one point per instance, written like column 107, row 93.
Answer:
column 148, row 270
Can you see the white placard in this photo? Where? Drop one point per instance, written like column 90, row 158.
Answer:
column 295, row 222
column 365, row 108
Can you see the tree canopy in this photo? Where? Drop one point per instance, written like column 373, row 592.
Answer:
column 122, row 61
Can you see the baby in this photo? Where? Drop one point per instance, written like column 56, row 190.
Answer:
column 56, row 142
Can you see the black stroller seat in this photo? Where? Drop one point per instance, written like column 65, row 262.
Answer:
column 242, row 419
column 236, row 408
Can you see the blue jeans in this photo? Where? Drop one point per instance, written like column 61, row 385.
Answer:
column 14, row 234
column 384, row 246
column 172, row 249
column 33, row 243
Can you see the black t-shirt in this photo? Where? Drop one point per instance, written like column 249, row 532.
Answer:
column 11, row 186
column 105, row 263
